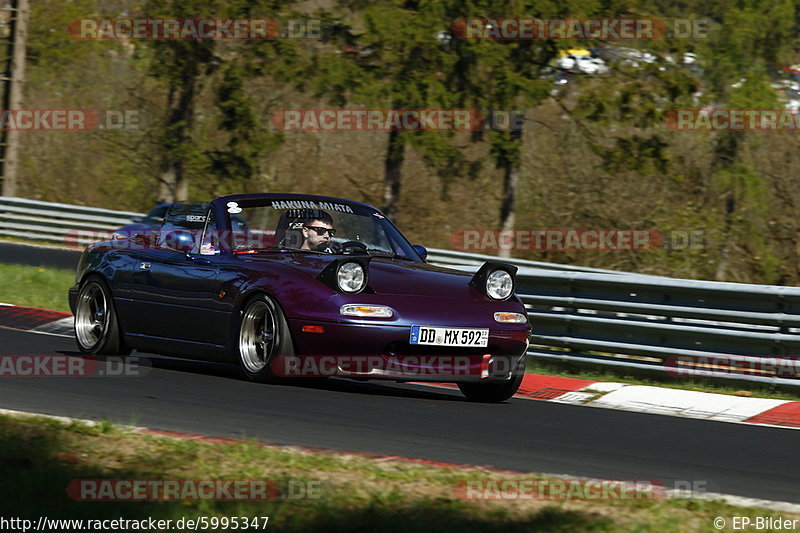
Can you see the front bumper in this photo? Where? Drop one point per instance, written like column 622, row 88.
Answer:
column 373, row 351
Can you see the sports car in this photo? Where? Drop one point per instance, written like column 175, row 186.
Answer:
column 288, row 285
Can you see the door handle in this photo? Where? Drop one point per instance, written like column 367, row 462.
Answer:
column 144, row 266
column 196, row 259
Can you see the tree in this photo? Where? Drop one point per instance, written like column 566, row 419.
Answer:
column 737, row 60
column 182, row 65
column 507, row 75
column 185, row 66
column 397, row 62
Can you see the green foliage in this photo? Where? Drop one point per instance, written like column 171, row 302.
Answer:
column 746, row 187
column 753, row 35
column 594, row 152
column 185, row 67
column 396, row 62
column 50, row 46
column 247, row 136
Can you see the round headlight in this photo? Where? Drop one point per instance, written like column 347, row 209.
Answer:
column 499, row 285
column 351, row 277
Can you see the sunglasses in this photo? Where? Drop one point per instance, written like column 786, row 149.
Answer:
column 321, row 231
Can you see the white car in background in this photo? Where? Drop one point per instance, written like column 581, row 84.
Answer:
column 629, row 57
column 591, row 65
column 582, row 64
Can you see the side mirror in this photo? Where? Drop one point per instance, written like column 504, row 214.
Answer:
column 181, row 241
column 421, row 251
column 137, row 219
column 139, row 238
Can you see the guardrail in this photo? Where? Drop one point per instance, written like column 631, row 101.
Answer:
column 579, row 313
column 450, row 258
column 54, row 222
column 688, row 327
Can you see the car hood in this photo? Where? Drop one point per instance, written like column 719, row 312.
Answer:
column 391, row 276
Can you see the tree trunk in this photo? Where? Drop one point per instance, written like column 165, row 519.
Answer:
column 174, row 184
column 510, row 186
column 725, row 252
column 13, row 97
column 392, row 179
column 725, row 154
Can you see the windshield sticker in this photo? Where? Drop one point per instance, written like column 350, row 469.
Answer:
column 195, row 218
column 378, row 215
column 233, row 208
column 305, row 204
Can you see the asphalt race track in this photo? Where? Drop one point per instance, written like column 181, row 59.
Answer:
column 417, row 421
column 23, row 254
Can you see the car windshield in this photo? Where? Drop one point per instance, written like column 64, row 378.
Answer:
column 332, row 227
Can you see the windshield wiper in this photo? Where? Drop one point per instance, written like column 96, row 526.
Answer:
column 254, row 250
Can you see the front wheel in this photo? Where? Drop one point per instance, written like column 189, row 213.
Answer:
column 495, row 392
column 96, row 326
column 263, row 335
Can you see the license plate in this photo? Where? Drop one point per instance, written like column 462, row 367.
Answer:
column 449, row 336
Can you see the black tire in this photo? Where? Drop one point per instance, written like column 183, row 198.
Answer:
column 495, row 392
column 96, row 326
column 262, row 334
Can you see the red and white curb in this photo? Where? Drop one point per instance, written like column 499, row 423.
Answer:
column 36, row 320
column 657, row 400
column 663, row 401
column 611, row 395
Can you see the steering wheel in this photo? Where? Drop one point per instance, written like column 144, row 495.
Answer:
column 350, row 247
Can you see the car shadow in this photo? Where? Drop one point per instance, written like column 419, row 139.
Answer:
column 215, row 369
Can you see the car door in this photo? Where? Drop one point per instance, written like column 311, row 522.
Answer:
column 176, row 289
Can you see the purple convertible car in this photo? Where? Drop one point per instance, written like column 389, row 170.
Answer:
column 296, row 285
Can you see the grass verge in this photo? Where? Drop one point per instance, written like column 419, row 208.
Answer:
column 40, row 457
column 36, row 286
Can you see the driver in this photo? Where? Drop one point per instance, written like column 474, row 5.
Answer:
column 318, row 232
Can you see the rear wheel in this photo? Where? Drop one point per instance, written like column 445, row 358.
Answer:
column 96, row 327
column 263, row 335
column 495, row 392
